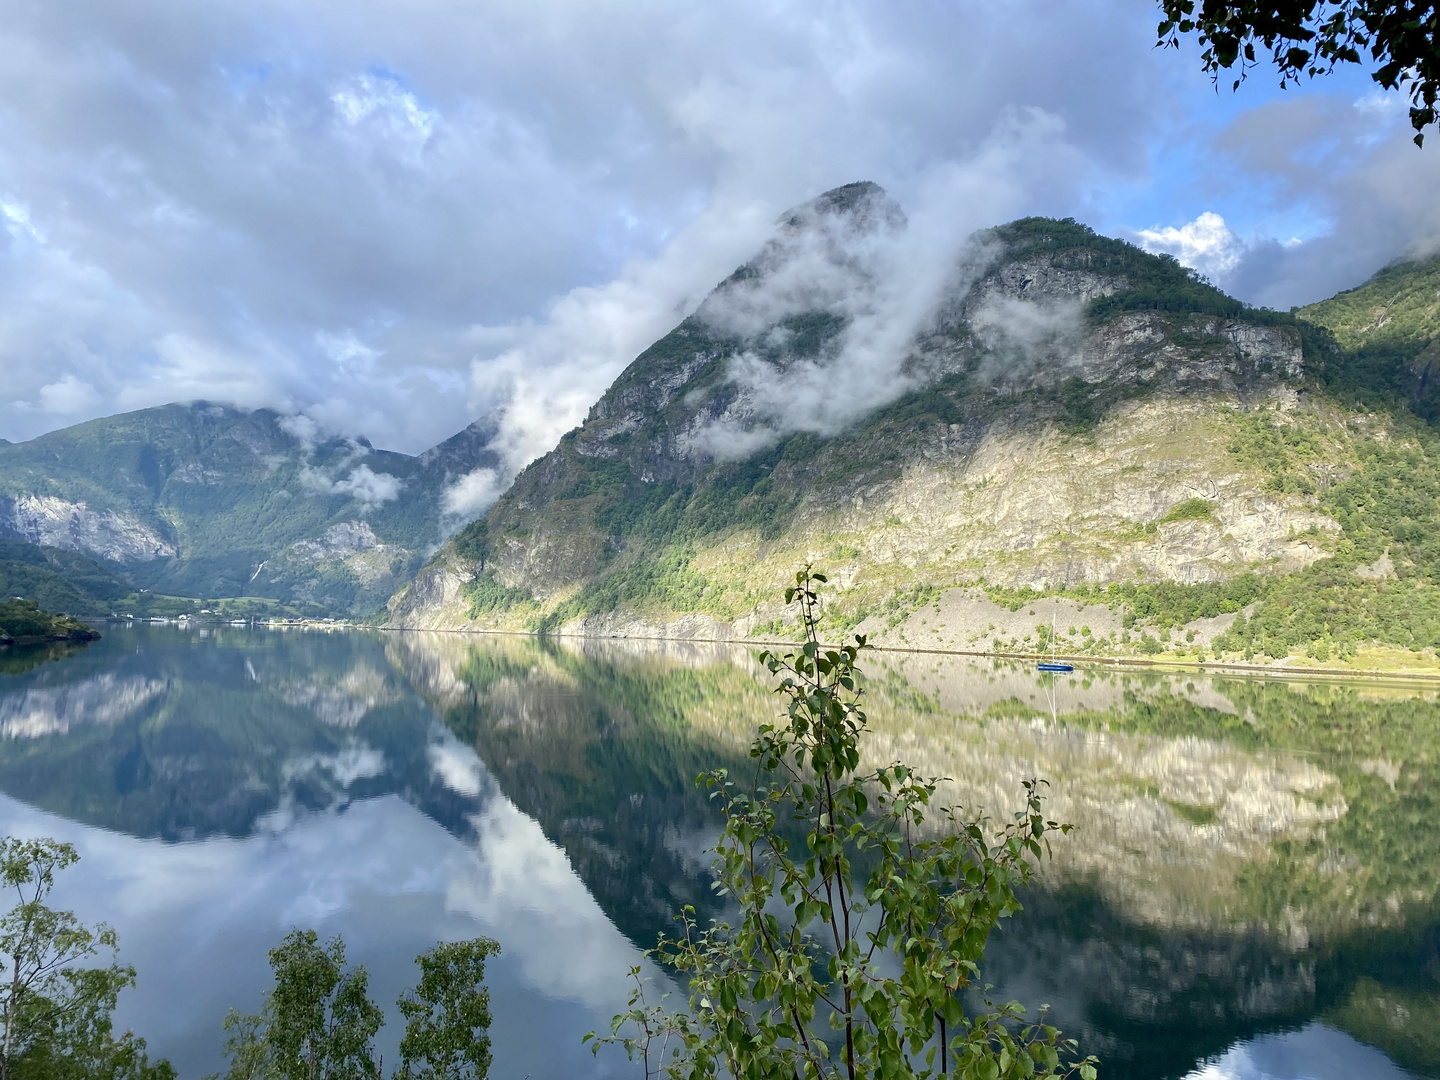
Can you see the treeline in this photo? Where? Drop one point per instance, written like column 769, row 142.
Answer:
column 1154, row 282
column 24, row 621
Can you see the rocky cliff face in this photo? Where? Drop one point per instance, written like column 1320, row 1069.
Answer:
column 117, row 536
column 1058, row 412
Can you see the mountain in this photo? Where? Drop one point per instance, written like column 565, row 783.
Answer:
column 1064, row 427
column 206, row 500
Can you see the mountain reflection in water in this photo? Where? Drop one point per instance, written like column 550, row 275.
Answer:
column 1251, row 889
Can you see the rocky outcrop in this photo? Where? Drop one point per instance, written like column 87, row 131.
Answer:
column 435, row 599
column 346, row 566
column 621, row 624
column 105, row 534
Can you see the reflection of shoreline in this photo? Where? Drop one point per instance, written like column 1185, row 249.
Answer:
column 1081, row 660
column 1177, row 822
column 1211, row 893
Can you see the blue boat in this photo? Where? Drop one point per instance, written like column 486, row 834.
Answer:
column 1052, row 664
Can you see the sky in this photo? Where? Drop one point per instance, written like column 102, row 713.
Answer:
column 393, row 217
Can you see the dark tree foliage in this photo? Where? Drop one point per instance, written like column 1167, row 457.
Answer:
column 55, row 1008
column 1311, row 37
column 447, row 1015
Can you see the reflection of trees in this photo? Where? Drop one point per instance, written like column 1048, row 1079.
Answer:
column 1153, row 1001
column 148, row 735
column 1200, row 909
column 1306, row 808
column 1149, row 1002
column 18, row 659
column 603, row 755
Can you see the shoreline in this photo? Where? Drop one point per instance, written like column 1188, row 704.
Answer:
column 1200, row 667
column 1081, row 661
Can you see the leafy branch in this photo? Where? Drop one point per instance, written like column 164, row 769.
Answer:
column 849, row 955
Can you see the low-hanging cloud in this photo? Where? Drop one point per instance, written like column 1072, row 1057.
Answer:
column 364, row 484
column 470, row 495
column 885, row 275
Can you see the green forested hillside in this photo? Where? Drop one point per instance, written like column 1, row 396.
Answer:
column 25, row 622
column 1387, row 334
column 58, row 580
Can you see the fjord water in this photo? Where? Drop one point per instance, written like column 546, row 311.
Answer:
column 1250, row 892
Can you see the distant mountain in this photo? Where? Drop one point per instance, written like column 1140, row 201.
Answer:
column 210, row 501
column 1069, row 418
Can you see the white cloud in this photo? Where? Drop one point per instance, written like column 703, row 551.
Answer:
column 1205, row 244
column 368, row 486
column 389, row 110
column 68, row 395
column 347, row 351
column 471, row 495
column 303, row 428
column 364, row 484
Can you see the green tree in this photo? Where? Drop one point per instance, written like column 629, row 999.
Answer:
column 317, row 1022
column 447, row 1015
column 1397, row 38
column 831, row 970
column 54, row 1011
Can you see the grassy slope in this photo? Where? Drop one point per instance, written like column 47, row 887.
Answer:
column 1369, row 456
column 1387, row 331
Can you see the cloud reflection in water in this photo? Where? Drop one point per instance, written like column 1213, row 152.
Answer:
column 196, row 919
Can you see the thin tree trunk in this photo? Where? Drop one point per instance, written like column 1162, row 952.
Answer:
column 10, row 1015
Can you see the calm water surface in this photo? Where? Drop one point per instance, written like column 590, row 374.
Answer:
column 1251, row 891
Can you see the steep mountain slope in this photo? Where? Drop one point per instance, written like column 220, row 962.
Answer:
column 1066, row 413
column 58, row 580
column 1389, row 329
column 206, row 500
